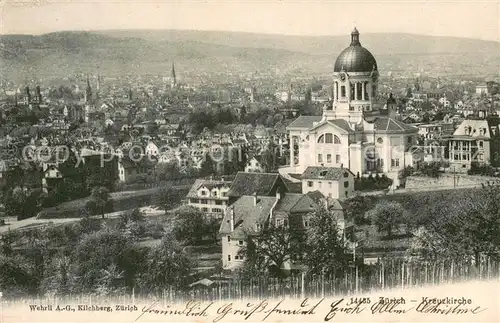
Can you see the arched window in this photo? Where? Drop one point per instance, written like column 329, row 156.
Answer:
column 328, row 138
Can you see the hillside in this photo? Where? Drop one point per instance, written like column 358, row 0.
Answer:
column 152, row 52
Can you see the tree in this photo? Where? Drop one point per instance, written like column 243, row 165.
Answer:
column 189, row 225
column 207, row 166
column 167, row 198
column 269, row 249
column 326, row 252
column 387, row 216
column 466, row 225
column 100, row 250
column 166, row 265
column 99, row 202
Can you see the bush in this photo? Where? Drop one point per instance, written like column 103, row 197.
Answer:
column 371, row 183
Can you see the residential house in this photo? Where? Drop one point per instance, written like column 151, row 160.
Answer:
column 333, row 182
column 210, row 196
column 261, row 184
column 475, row 141
column 249, row 215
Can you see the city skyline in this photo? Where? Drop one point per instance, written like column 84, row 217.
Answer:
column 479, row 19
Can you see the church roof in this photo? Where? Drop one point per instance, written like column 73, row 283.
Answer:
column 392, row 125
column 305, row 122
column 355, row 58
column 341, row 123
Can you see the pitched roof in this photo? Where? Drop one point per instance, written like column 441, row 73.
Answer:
column 392, row 125
column 247, row 214
column 304, row 122
column 331, row 173
column 193, row 191
column 253, row 183
column 296, row 203
column 340, row 123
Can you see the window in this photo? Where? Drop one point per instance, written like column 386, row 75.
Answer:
column 204, row 193
column 337, row 159
column 216, row 210
column 240, row 242
column 380, row 140
column 346, row 194
column 203, row 201
column 320, row 158
column 214, row 193
column 329, row 138
column 285, row 222
column 336, row 140
column 321, row 139
column 306, row 224
column 236, row 257
column 218, row 202
column 395, row 162
column 228, row 257
column 323, row 173
column 346, row 174
column 346, row 184
column 204, row 209
column 309, row 184
column 480, row 157
column 228, row 238
column 342, row 91
column 480, row 144
column 329, row 158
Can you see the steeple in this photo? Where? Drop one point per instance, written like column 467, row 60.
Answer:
column 174, row 79
column 88, row 91
column 355, row 37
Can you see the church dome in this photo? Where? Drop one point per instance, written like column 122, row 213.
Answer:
column 355, row 58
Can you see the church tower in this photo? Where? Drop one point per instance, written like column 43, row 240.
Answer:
column 88, row 91
column 173, row 83
column 355, row 81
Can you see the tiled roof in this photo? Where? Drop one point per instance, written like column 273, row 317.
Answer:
column 253, row 183
column 296, row 203
column 193, row 191
column 331, row 173
column 304, row 122
column 247, row 214
column 392, row 125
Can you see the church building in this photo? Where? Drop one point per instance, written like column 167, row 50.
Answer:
column 356, row 131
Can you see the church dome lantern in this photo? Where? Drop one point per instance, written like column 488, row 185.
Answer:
column 355, row 58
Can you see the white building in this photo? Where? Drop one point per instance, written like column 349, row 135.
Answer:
column 354, row 131
column 337, row 183
column 210, row 196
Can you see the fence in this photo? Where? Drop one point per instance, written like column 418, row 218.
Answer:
column 170, row 183
column 386, row 275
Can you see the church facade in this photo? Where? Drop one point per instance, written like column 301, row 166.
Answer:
column 355, row 130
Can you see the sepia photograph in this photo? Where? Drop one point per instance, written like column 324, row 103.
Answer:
column 231, row 161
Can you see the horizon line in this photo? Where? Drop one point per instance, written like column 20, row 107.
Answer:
column 236, row 32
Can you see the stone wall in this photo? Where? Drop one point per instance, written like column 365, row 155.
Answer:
column 448, row 181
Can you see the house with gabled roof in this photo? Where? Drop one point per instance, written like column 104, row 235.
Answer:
column 260, row 184
column 332, row 182
column 249, row 215
column 210, row 196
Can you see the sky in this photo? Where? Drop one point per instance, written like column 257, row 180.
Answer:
column 472, row 19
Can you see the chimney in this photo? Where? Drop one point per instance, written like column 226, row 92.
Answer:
column 231, row 218
column 255, row 199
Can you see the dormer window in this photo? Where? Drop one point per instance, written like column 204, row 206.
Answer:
column 323, row 173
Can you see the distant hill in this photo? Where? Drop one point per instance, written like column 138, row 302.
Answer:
column 152, row 52
column 379, row 44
